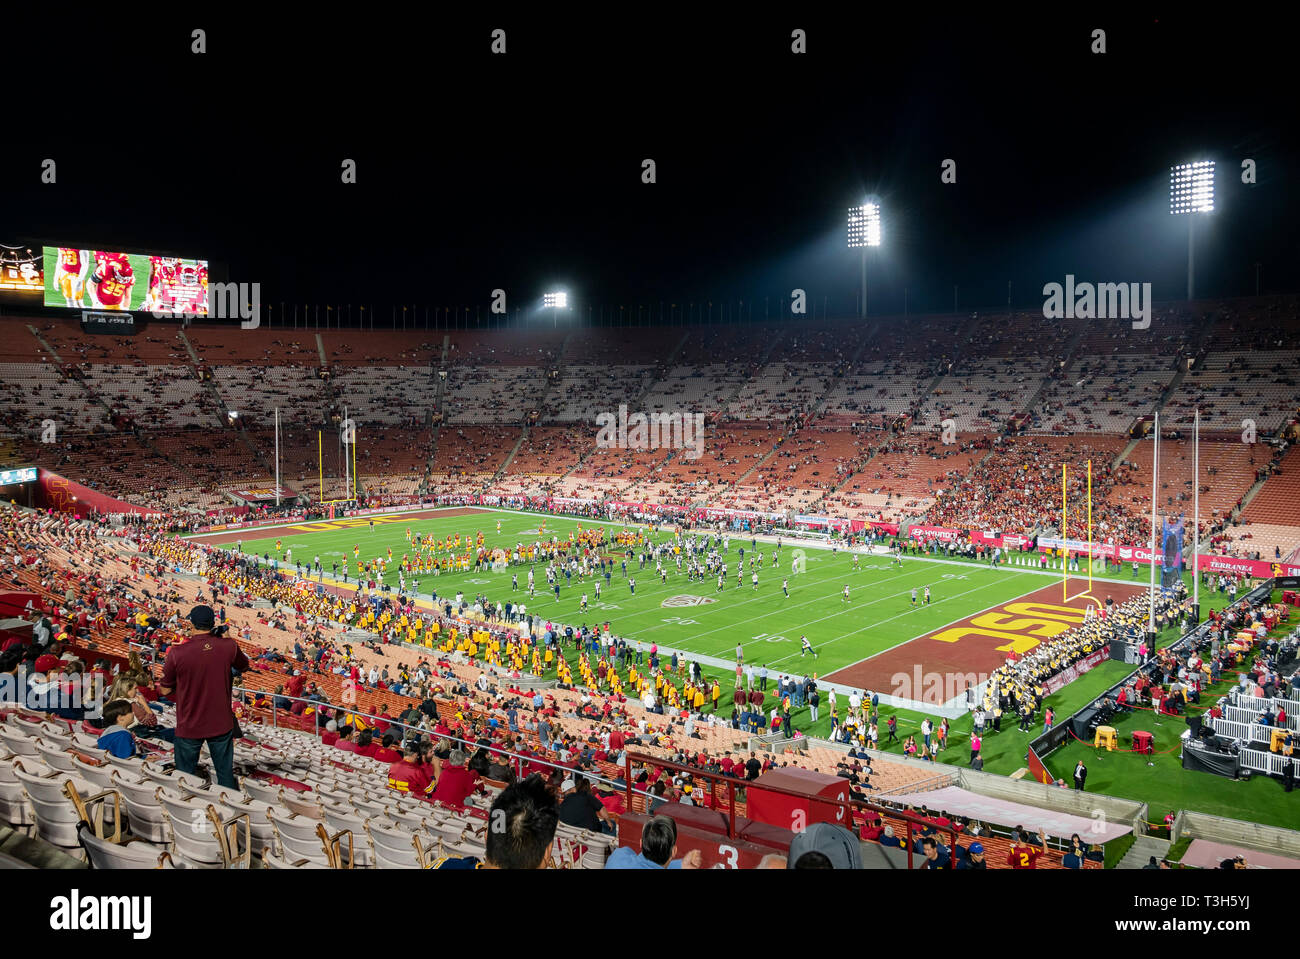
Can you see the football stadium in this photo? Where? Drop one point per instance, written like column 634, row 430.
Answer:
column 682, row 510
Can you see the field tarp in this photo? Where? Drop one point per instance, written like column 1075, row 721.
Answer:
column 962, row 802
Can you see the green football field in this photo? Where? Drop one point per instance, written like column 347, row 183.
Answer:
column 768, row 625
column 694, row 616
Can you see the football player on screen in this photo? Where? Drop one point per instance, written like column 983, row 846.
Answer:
column 162, row 277
column 201, row 302
column 70, row 278
column 112, row 281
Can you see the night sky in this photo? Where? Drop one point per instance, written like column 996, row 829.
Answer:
column 523, row 171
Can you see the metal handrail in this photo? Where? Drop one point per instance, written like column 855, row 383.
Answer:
column 517, row 760
column 849, row 805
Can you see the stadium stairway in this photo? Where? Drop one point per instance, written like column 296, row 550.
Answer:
column 1281, row 494
column 215, row 397
column 92, row 398
column 511, row 457
column 724, row 403
column 1140, row 853
column 1125, row 453
column 1067, row 351
column 815, row 413
column 1195, row 349
column 551, row 383
column 441, row 373
column 1169, row 390
column 651, row 383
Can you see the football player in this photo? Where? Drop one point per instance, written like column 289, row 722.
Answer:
column 162, row 279
column 112, row 281
column 70, row 277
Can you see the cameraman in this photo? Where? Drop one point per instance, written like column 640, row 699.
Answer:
column 200, row 673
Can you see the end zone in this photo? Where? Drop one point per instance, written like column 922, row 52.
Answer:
column 973, row 646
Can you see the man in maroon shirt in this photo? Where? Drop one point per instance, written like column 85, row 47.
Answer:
column 198, row 675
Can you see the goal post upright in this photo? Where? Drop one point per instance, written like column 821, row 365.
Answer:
column 1090, row 548
column 1091, row 558
column 1065, row 542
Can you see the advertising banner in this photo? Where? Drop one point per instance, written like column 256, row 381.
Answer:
column 1075, row 670
column 934, row 532
column 1171, row 545
column 569, row 501
column 1076, row 546
column 1258, row 568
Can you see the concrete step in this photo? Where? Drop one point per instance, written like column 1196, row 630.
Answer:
column 1144, row 847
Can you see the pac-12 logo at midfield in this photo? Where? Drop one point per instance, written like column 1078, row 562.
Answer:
column 687, row 600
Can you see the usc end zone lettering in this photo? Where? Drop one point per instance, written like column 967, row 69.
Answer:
column 1021, row 626
column 350, row 523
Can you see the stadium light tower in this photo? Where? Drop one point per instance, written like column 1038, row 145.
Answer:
column 864, row 231
column 1191, row 191
column 556, row 301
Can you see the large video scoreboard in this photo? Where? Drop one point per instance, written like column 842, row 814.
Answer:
column 14, row 477
column 105, row 280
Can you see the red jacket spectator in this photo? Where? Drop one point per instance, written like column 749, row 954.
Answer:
column 454, row 785
column 408, row 777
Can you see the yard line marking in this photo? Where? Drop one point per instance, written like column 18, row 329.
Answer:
column 820, row 598
column 882, row 622
column 944, row 626
column 755, row 619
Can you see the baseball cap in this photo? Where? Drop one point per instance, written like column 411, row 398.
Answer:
column 834, row 842
column 976, row 848
column 203, row 617
column 567, row 785
column 46, row 662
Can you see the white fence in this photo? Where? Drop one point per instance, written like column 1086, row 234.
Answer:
column 1262, row 761
column 1259, row 703
column 1237, row 714
column 1246, row 732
